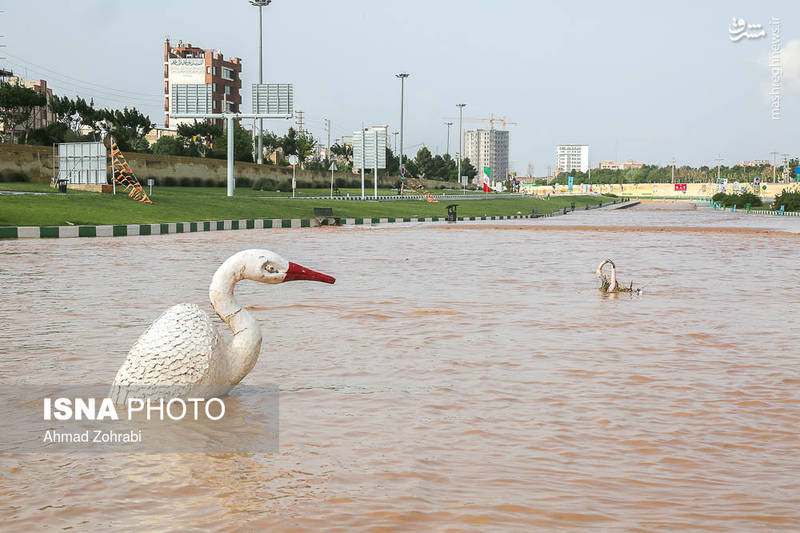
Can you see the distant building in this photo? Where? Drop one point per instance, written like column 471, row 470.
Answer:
column 754, row 163
column 185, row 63
column 41, row 116
column 571, row 157
column 156, row 133
column 611, row 165
column 487, row 148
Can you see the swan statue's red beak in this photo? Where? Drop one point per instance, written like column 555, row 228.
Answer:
column 297, row 272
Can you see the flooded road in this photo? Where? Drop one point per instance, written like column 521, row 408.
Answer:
column 455, row 377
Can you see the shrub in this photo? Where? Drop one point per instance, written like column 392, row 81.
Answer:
column 197, row 182
column 264, row 184
column 789, row 200
column 244, row 182
column 185, row 182
column 340, row 182
column 210, row 182
column 303, row 184
column 169, row 181
column 739, row 200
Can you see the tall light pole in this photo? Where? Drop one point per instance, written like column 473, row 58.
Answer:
column 673, row 170
column 402, row 76
column 259, row 4
column 448, row 136
column 460, row 137
column 774, row 164
column 395, row 141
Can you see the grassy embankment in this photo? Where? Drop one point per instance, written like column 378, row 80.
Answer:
column 186, row 204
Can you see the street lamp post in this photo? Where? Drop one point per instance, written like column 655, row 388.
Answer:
column 448, row 124
column 402, row 76
column 259, row 4
column 395, row 141
column 460, row 138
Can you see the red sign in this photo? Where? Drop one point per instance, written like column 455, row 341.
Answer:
column 680, row 187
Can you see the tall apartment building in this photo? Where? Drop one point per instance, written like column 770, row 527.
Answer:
column 487, row 148
column 185, row 63
column 572, row 157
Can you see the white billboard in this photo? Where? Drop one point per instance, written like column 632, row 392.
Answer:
column 190, row 99
column 184, row 71
column 276, row 99
column 82, row 162
column 374, row 148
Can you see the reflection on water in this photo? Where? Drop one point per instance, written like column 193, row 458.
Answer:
column 453, row 377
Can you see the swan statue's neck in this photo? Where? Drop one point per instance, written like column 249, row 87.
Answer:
column 243, row 349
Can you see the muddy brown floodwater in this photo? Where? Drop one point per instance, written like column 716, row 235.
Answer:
column 454, row 378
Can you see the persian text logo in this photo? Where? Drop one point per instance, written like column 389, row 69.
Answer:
column 775, row 68
column 739, row 30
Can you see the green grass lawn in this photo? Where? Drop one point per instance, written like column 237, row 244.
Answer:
column 186, row 204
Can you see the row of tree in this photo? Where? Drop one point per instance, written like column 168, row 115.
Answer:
column 684, row 174
column 76, row 120
column 423, row 165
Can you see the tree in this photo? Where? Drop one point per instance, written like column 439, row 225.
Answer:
column 64, row 110
column 305, row 146
column 168, row 145
column 343, row 151
column 392, row 161
column 128, row 127
column 270, row 142
column 424, row 163
column 88, row 116
column 55, row 132
column 467, row 169
column 198, row 137
column 16, row 107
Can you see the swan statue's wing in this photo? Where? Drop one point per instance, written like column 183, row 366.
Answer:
column 178, row 349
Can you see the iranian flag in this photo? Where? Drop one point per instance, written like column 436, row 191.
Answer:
column 486, row 172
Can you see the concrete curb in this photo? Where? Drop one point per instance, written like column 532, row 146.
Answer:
column 168, row 228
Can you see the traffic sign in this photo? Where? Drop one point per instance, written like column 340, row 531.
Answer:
column 333, row 166
column 293, row 160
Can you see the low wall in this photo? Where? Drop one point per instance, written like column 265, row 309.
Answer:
column 663, row 190
column 37, row 163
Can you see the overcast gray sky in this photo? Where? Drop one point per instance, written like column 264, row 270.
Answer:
column 634, row 80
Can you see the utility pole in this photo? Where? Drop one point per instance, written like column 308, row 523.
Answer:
column 448, row 136
column 395, row 141
column 259, row 4
column 363, row 159
column 673, row 170
column 328, row 127
column 299, row 114
column 460, row 138
column 719, row 160
column 774, row 164
column 402, row 76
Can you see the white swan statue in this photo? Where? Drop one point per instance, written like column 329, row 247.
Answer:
column 182, row 351
column 611, row 285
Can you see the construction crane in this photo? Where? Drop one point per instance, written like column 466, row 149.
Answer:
column 491, row 120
